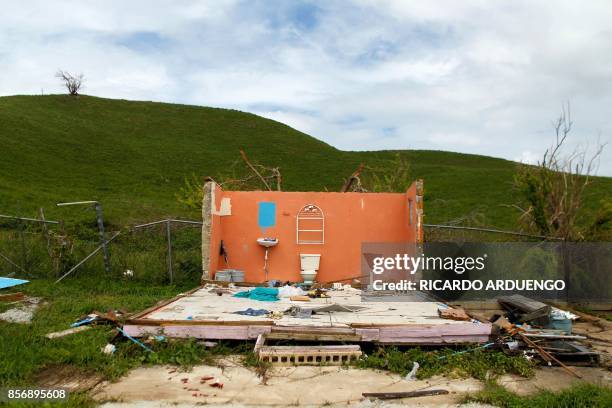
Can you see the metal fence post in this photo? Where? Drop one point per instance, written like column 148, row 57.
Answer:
column 100, row 220
column 169, row 237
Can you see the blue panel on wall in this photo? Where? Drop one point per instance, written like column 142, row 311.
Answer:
column 266, row 215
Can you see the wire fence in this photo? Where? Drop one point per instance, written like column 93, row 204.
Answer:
column 459, row 233
column 164, row 251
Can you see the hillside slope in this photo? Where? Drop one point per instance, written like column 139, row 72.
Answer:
column 134, row 157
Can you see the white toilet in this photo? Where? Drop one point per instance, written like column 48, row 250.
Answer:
column 309, row 264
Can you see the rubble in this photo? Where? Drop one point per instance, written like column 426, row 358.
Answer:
column 23, row 313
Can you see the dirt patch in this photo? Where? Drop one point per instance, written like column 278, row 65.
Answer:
column 65, row 376
column 309, row 386
column 555, row 379
column 23, row 313
column 305, row 386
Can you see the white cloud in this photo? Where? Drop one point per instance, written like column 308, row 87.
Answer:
column 528, row 157
column 472, row 76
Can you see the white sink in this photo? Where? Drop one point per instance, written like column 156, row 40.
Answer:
column 267, row 242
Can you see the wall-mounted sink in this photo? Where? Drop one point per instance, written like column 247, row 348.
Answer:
column 267, row 242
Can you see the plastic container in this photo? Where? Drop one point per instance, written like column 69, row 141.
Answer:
column 237, row 276
column 223, row 276
column 561, row 324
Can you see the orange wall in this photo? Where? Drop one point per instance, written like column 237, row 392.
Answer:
column 350, row 219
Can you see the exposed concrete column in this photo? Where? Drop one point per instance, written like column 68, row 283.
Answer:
column 420, row 214
column 207, row 210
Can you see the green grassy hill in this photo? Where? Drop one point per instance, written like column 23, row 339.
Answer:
column 134, row 157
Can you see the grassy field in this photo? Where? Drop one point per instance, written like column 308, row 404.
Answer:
column 135, row 156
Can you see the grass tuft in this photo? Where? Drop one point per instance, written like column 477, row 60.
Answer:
column 480, row 364
column 577, row 396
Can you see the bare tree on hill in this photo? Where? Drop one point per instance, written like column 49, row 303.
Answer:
column 73, row 83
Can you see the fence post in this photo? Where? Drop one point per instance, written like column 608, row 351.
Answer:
column 100, row 220
column 169, row 237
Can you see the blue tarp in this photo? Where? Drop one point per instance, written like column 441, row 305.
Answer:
column 260, row 293
column 8, row 282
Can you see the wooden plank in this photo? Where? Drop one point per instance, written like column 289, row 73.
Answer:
column 313, row 329
column 403, row 394
column 436, row 334
column 67, row 332
column 522, row 303
column 299, row 298
column 312, row 336
column 198, row 332
column 255, row 331
column 261, row 339
column 226, row 284
column 454, row 314
column 12, row 297
column 368, row 334
column 160, row 322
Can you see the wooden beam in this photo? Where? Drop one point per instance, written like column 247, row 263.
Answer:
column 349, row 182
column 405, row 394
column 12, row 297
column 312, row 336
column 163, row 323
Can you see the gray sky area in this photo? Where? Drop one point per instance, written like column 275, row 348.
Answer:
column 482, row 77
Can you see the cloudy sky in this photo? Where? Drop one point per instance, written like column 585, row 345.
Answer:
column 480, row 77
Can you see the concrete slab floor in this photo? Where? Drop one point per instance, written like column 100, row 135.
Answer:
column 205, row 304
column 302, row 386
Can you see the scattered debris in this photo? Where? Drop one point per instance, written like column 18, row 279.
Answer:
column 502, row 323
column 537, row 329
column 109, row 349
column 546, row 355
column 134, row 340
column 111, row 317
column 299, row 312
column 522, row 309
column 67, row 332
column 89, row 319
column 453, row 314
column 216, row 384
column 299, row 298
column 253, row 312
column 335, row 307
column 405, row 394
column 411, row 376
column 288, row 291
